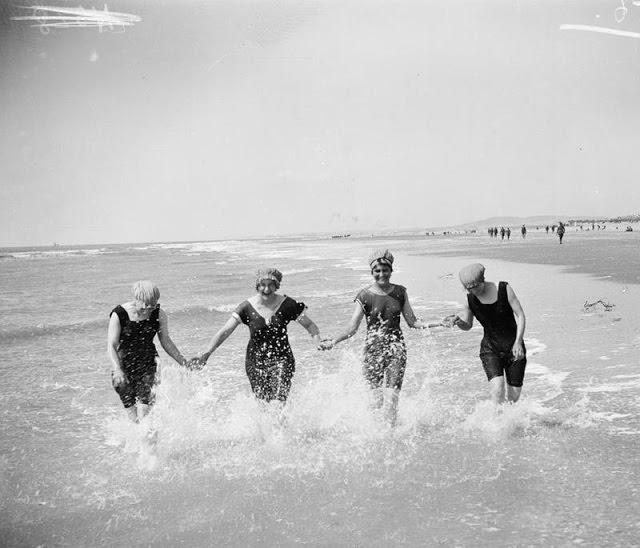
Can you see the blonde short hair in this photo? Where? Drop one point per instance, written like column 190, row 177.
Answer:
column 144, row 291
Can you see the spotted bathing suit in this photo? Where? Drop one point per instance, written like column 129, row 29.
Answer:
column 269, row 361
column 385, row 352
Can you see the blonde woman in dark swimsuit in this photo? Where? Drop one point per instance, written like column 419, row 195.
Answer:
column 385, row 353
column 269, row 361
column 132, row 329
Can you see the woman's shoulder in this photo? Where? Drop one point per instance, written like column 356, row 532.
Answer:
column 244, row 305
column 501, row 290
column 290, row 302
column 119, row 313
column 123, row 310
column 364, row 293
column 395, row 290
column 506, row 288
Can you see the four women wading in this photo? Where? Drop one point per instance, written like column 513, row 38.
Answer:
column 269, row 361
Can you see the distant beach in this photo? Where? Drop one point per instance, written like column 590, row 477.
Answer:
column 610, row 254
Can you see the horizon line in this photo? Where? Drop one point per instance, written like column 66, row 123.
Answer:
column 464, row 226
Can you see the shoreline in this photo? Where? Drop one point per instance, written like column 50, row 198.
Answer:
column 614, row 257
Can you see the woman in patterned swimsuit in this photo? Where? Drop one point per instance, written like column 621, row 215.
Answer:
column 269, row 360
column 385, row 353
column 132, row 328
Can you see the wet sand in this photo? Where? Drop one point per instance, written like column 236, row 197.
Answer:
column 613, row 255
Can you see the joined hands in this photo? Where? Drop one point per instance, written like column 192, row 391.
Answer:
column 326, row 344
column 450, row 321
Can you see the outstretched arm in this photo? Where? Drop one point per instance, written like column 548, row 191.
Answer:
column 521, row 322
column 221, row 336
column 462, row 320
column 310, row 326
column 412, row 320
column 349, row 332
column 165, row 340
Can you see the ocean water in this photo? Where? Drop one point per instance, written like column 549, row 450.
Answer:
column 560, row 468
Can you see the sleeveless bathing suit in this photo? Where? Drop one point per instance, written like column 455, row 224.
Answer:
column 497, row 319
column 137, row 356
column 500, row 329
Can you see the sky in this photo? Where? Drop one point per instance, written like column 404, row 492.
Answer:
column 206, row 119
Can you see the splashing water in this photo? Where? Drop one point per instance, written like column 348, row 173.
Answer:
column 212, row 466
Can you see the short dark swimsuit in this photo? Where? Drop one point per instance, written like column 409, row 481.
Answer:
column 496, row 348
column 385, row 352
column 269, row 360
column 137, row 357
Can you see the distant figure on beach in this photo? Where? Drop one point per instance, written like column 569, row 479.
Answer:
column 547, row 229
column 523, row 231
column 269, row 360
column 508, row 233
column 502, row 349
column 132, row 328
column 385, row 354
column 560, row 231
column 502, row 232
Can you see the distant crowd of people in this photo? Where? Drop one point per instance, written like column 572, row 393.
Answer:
column 558, row 229
column 493, row 231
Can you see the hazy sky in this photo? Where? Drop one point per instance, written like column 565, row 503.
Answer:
column 211, row 119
